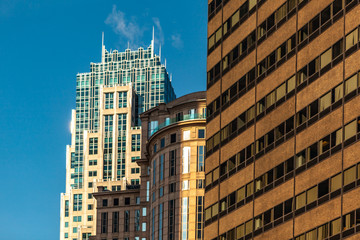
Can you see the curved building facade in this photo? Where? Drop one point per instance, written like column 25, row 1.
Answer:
column 172, row 165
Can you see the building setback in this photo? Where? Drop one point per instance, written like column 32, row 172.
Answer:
column 283, row 120
column 106, row 131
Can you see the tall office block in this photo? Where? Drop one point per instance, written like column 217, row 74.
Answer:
column 283, row 120
column 106, row 131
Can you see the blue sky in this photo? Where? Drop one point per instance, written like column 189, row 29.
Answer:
column 43, row 45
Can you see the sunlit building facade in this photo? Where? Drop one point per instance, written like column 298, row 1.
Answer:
column 172, row 164
column 106, row 131
column 283, row 120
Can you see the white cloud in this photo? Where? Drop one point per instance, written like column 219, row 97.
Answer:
column 176, row 41
column 159, row 34
column 129, row 29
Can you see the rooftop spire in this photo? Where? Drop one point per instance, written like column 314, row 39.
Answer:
column 160, row 52
column 102, row 49
column 102, row 40
column 153, row 42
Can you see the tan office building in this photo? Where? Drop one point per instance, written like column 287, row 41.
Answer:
column 104, row 166
column 283, row 120
column 172, row 167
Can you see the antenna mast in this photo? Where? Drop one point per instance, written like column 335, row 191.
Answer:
column 153, row 43
column 102, row 49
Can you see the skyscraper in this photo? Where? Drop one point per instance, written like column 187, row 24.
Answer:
column 106, row 131
column 283, row 120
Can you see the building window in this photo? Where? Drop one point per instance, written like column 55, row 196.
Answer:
column 160, row 221
column 108, row 145
column 122, row 99
column 162, row 167
column 126, row 221
column 127, row 201
column 348, row 221
column 153, row 224
column 92, row 173
column 77, row 219
column 92, row 162
column 135, row 170
column 137, row 220
column 350, row 130
column 171, row 219
column 350, row 175
column 184, row 218
column 135, row 181
column 200, row 158
column 172, row 187
column 90, row 207
column 66, row 224
column 335, row 227
column 116, row 188
column 186, row 160
column 66, row 235
column 162, row 143
column 325, row 101
column 77, row 202
column 104, row 222
column 143, row 228
column 66, row 208
column 352, row 39
column 192, row 113
column 186, row 135
column 172, row 163
column 161, row 191
column 201, row 133
column 152, row 127
column 199, row 217
column 86, row 236
column 75, row 229
column 325, row 58
column 147, row 191
column 104, row 202
column 135, row 142
column 173, row 138
column 200, row 184
column 351, row 84
column 93, row 146
column 185, row 185
column 144, row 212
column 121, row 164
column 155, row 148
column 179, row 116
column 90, row 185
column 335, row 183
column 133, row 159
column 154, row 172
column 116, row 202
column 109, row 100
column 115, row 222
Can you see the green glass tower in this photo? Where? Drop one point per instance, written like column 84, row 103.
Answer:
column 144, row 83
